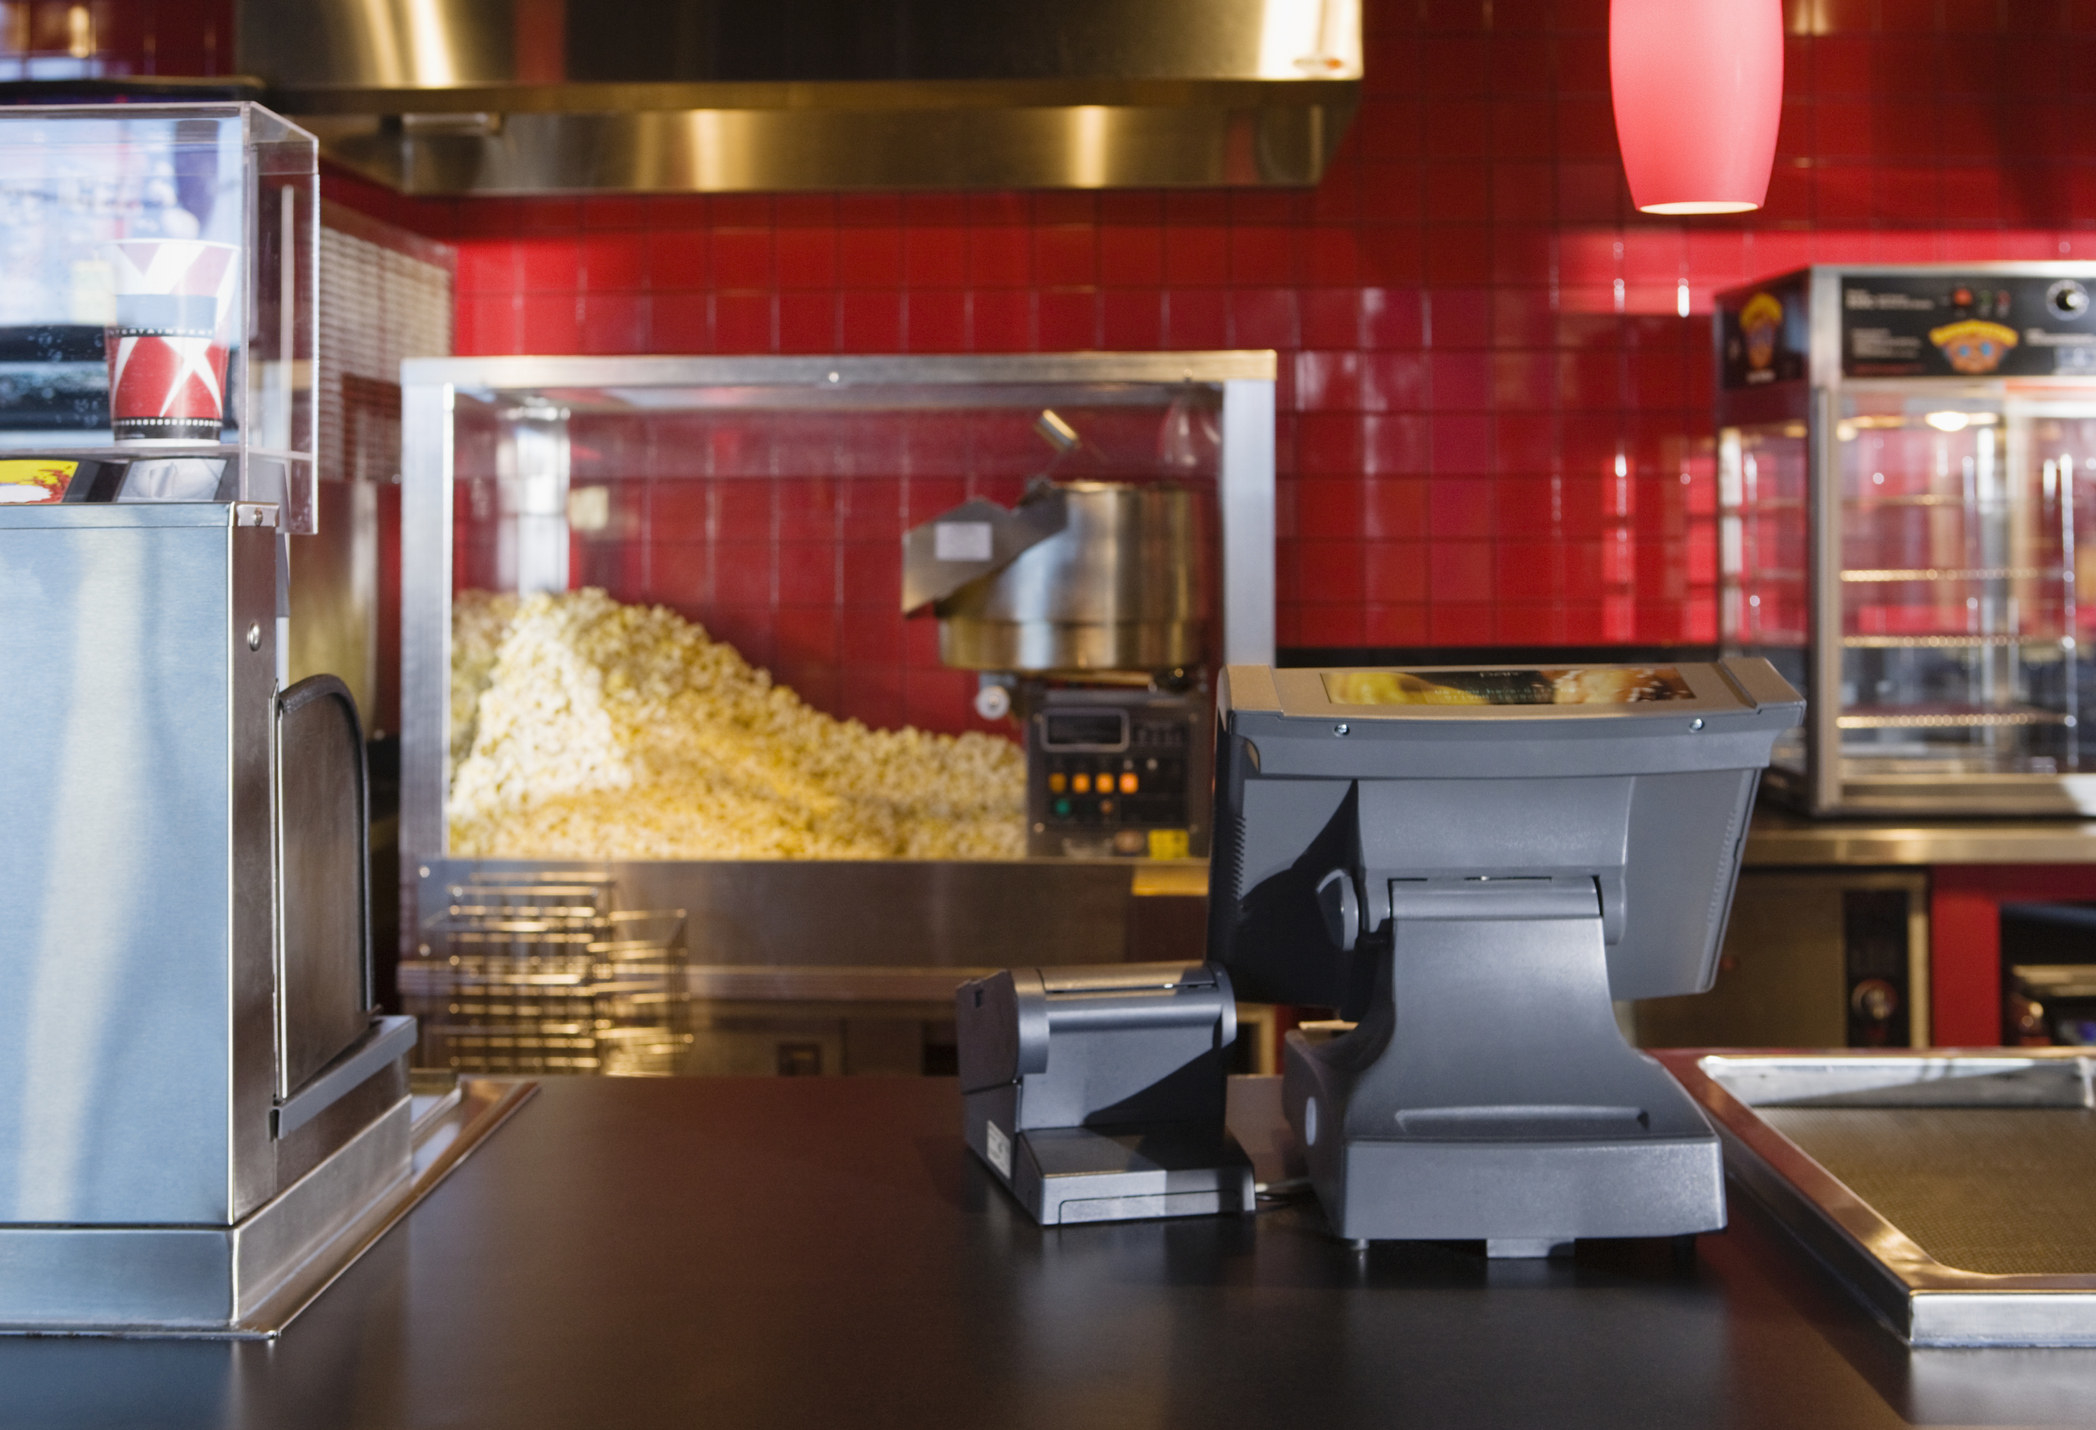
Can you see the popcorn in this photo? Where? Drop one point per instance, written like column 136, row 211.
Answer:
column 588, row 729
column 478, row 621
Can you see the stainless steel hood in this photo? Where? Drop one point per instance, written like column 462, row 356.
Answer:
column 664, row 96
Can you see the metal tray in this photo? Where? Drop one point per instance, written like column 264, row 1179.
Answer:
column 1955, row 1192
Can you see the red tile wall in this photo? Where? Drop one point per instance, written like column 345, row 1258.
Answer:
column 127, row 38
column 1495, row 421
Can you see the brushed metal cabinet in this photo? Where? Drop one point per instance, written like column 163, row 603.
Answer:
column 135, row 891
column 1794, row 958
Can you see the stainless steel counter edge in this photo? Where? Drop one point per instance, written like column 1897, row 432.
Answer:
column 1926, row 1302
column 1777, row 839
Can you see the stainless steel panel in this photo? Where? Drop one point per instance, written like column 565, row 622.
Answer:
column 323, row 994
column 1948, row 1189
column 1783, row 976
column 750, row 376
column 1027, row 135
column 252, row 1279
column 385, row 1041
column 930, row 574
column 136, row 913
column 1823, row 760
column 105, row 1278
column 445, row 1131
column 1247, row 496
column 334, row 592
column 1121, row 586
column 1779, row 838
column 668, row 95
column 842, row 984
column 359, row 46
column 426, row 405
column 870, row 913
column 253, row 892
column 302, row 1148
column 302, row 1220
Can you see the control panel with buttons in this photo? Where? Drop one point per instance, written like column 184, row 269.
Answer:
column 1117, row 773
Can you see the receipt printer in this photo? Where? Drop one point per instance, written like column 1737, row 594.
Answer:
column 1096, row 1093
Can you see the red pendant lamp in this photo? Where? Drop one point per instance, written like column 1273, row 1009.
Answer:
column 1698, row 86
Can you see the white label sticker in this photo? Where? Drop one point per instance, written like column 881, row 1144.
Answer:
column 961, row 541
column 999, row 1148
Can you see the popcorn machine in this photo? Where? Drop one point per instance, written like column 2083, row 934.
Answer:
column 655, row 652
column 1907, row 482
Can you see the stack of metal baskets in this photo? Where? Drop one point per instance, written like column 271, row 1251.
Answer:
column 540, row 973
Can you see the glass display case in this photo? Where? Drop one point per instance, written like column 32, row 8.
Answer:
column 851, row 662
column 1906, row 459
column 157, row 276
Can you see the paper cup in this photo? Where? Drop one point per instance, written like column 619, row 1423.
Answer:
column 167, row 349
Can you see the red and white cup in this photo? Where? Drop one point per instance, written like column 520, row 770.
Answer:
column 167, row 348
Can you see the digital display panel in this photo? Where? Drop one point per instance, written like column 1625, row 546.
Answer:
column 1085, row 729
column 1569, row 685
column 31, row 481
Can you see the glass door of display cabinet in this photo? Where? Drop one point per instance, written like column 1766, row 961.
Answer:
column 748, row 545
column 1765, row 556
column 1959, row 634
column 1957, row 590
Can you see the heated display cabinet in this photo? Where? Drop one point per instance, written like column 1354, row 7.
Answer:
column 1907, row 485
column 157, row 273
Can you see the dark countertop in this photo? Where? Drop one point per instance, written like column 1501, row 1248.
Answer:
column 824, row 1252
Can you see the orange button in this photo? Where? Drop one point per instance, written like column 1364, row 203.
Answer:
column 1081, row 783
column 1105, row 805
column 1057, row 783
column 1128, row 783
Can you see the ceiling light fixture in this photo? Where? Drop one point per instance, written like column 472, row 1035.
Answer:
column 1698, row 89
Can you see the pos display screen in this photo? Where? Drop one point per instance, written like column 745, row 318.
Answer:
column 1636, row 777
column 1563, row 685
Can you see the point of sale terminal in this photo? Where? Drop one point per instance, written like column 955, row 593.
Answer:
column 1471, row 866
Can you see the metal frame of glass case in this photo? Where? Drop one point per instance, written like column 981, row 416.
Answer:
column 1906, row 475
column 929, row 902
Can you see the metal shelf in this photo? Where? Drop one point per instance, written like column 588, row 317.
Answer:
column 1952, row 573
column 1945, row 642
column 1945, row 717
column 1928, row 499
column 66, row 444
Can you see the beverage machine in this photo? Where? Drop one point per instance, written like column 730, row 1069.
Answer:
column 203, row 1114
column 1907, row 481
